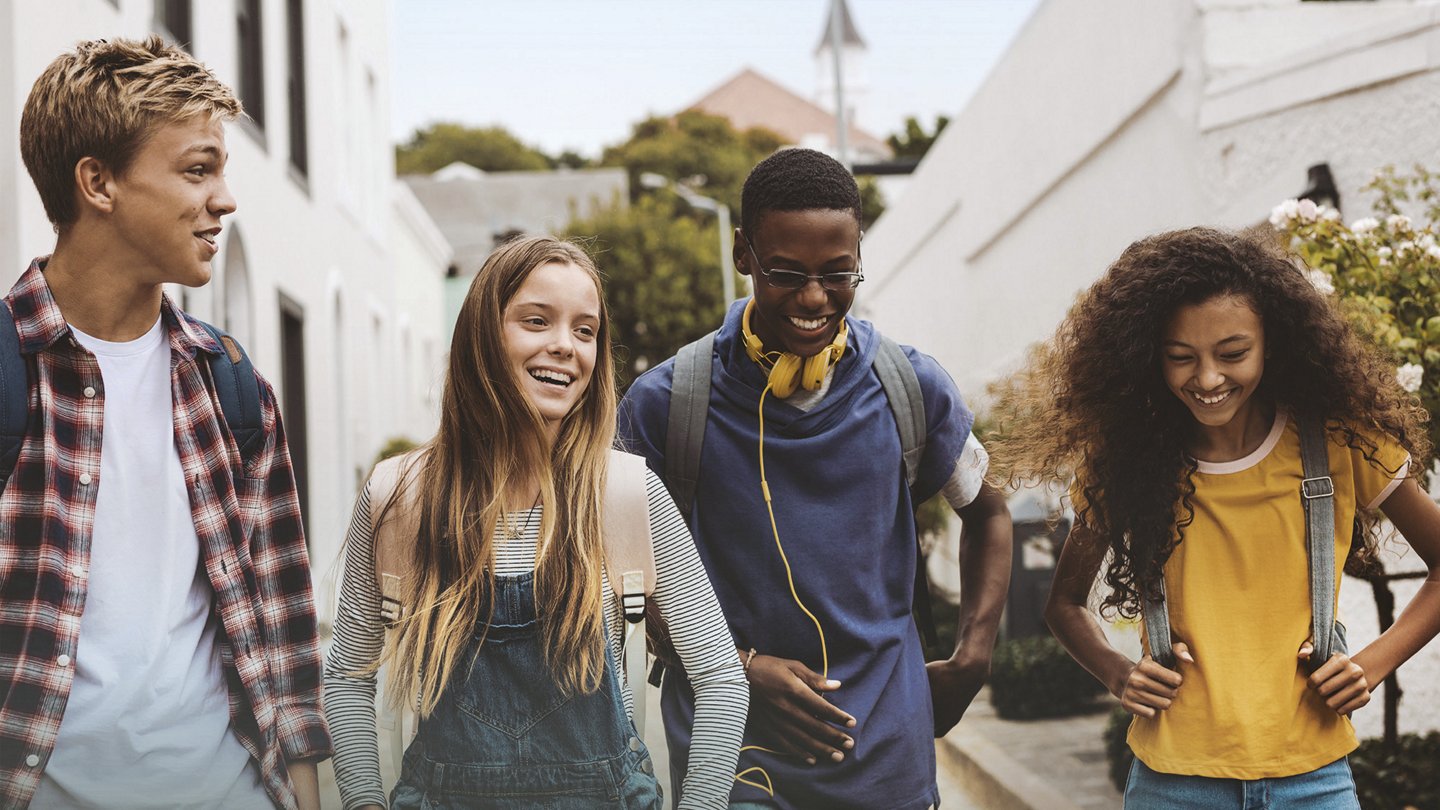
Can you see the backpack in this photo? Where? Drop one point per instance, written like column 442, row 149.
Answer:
column 236, row 386
column 629, row 563
column 1317, row 494
column 690, row 409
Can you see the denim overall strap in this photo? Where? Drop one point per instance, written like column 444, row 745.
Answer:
column 1317, row 492
column 506, row 736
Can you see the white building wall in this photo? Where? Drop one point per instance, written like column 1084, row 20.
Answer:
column 314, row 239
column 1108, row 122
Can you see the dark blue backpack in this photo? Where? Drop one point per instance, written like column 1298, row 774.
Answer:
column 234, row 377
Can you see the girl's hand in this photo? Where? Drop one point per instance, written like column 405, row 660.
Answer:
column 1150, row 687
column 1340, row 681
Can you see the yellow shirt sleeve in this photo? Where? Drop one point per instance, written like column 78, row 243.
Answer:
column 1377, row 473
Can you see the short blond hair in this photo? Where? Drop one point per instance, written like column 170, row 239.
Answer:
column 103, row 100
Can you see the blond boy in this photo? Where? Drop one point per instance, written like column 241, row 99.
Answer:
column 157, row 632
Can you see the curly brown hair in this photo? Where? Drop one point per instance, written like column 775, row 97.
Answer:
column 1091, row 403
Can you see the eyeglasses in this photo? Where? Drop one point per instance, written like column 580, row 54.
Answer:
column 794, row 280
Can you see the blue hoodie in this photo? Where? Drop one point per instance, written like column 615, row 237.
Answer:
column 846, row 520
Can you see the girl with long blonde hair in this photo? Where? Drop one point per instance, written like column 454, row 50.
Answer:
column 508, row 637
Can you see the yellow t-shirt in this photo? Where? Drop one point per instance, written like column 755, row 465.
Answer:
column 1238, row 592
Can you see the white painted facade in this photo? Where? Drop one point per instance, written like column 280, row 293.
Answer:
column 343, row 244
column 1106, row 122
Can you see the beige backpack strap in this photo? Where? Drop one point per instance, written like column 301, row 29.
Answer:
column 630, row 563
column 629, row 555
column 394, row 529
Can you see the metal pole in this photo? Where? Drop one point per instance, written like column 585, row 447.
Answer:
column 842, row 128
column 727, row 259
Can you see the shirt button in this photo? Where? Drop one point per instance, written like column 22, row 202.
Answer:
column 77, row 571
column 85, row 479
column 646, row 766
column 89, row 392
column 63, row 660
column 32, row 760
column 634, row 743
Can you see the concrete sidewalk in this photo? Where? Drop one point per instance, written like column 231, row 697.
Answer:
column 1030, row 764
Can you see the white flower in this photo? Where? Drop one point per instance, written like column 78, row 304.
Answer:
column 1321, row 280
column 1410, row 376
column 1433, row 251
column 1426, row 241
column 1281, row 214
column 1364, row 225
column 1397, row 222
column 1329, row 214
column 1384, row 251
column 1307, row 210
column 1404, row 247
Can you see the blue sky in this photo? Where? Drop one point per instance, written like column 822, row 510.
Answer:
column 575, row 74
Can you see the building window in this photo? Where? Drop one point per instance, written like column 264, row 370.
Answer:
column 172, row 18
column 252, row 65
column 295, row 32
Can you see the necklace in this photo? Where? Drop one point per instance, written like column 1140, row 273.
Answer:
column 513, row 533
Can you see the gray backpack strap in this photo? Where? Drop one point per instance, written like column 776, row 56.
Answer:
column 1317, row 492
column 1157, row 629
column 689, row 408
column 902, row 389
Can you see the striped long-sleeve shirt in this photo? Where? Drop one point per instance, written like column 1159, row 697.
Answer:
column 682, row 593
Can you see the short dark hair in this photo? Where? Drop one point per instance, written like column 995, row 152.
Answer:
column 797, row 180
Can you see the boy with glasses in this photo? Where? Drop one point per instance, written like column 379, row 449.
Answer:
column 801, row 500
column 157, row 633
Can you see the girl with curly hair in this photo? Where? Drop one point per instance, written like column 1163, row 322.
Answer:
column 1173, row 400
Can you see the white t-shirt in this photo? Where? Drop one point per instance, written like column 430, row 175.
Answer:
column 148, row 720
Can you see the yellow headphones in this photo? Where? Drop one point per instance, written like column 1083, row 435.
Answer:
column 789, row 370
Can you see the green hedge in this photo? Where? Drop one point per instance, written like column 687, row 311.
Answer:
column 1117, row 750
column 1034, row 677
column 1407, row 775
column 1399, row 778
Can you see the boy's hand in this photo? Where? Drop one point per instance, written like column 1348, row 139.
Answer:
column 1340, row 681
column 789, row 696
column 953, row 685
column 1150, row 687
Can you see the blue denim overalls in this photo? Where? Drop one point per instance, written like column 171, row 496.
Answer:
column 506, row 737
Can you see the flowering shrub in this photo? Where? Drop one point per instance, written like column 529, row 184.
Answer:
column 1385, row 268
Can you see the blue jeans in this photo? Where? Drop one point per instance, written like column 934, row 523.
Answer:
column 504, row 736
column 1328, row 788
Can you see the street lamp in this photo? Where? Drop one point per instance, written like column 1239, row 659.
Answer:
column 651, row 180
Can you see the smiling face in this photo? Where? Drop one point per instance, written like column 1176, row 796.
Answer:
column 1213, row 357
column 815, row 242
column 165, row 208
column 550, row 331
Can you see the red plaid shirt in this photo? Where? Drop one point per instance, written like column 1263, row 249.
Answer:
column 251, row 547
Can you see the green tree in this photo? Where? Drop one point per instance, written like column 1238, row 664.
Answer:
column 1386, row 270
column 702, row 151
column 914, row 141
column 491, row 149
column 662, row 269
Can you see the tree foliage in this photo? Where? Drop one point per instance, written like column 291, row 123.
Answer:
column 702, row 151
column 1385, row 268
column 661, row 257
column 662, row 269
column 491, row 149
column 913, row 142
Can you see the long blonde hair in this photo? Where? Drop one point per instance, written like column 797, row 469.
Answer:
column 490, row 439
